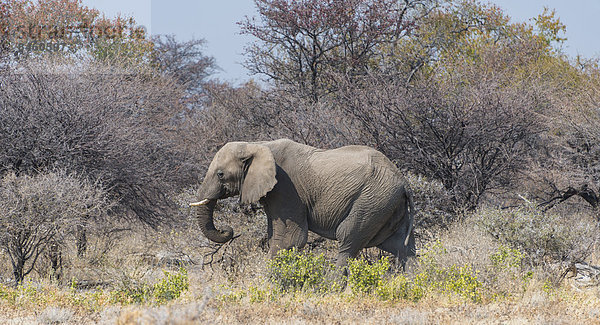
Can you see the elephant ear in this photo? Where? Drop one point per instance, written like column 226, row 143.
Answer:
column 259, row 173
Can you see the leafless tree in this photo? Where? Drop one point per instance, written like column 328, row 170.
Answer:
column 250, row 113
column 299, row 43
column 185, row 61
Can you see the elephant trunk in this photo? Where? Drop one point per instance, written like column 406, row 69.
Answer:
column 205, row 217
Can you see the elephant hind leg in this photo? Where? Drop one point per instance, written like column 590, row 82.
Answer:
column 351, row 240
column 395, row 245
column 347, row 249
column 360, row 229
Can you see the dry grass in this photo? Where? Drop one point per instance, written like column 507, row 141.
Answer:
column 235, row 289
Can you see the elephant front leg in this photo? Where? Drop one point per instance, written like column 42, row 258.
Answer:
column 287, row 216
column 285, row 233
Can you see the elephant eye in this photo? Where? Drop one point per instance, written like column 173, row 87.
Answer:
column 220, row 174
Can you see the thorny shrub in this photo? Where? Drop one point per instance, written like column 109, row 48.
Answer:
column 110, row 124
column 542, row 236
column 38, row 212
column 433, row 205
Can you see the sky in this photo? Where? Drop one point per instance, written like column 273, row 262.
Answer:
column 215, row 21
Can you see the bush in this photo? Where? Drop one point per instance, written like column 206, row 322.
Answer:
column 506, row 258
column 400, row 287
column 506, row 275
column 292, row 270
column 364, row 277
column 433, row 278
column 169, row 288
column 37, row 212
column 461, row 280
column 109, row 124
column 541, row 236
column 433, row 204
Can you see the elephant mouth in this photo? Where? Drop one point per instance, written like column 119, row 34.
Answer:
column 226, row 192
column 230, row 190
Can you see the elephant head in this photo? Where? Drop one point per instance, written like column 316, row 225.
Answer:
column 238, row 168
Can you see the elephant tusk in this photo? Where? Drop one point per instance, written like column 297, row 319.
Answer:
column 203, row 202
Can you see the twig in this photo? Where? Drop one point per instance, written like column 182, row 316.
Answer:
column 215, row 251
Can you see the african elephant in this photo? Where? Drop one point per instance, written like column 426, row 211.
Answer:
column 353, row 194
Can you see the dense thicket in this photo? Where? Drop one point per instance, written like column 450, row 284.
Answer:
column 110, row 124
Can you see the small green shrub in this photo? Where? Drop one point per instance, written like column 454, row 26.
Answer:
column 399, row 288
column 506, row 258
column 433, row 278
column 505, row 274
column 131, row 293
column 364, row 277
column 169, row 288
column 7, row 294
column 259, row 295
column 232, row 295
column 430, row 254
column 460, row 280
column 292, row 270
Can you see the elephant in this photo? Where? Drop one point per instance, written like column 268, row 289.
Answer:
column 353, row 194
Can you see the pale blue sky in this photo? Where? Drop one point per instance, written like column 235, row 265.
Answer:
column 215, row 21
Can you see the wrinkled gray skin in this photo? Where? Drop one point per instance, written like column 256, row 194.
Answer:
column 353, row 194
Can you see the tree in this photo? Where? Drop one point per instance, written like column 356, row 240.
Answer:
column 468, row 112
column 441, row 92
column 67, row 26
column 37, row 212
column 184, row 61
column 473, row 138
column 299, row 43
column 4, row 28
column 569, row 165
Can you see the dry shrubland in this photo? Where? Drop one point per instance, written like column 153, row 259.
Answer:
column 464, row 274
column 102, row 149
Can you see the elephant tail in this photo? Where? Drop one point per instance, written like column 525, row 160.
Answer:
column 411, row 214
